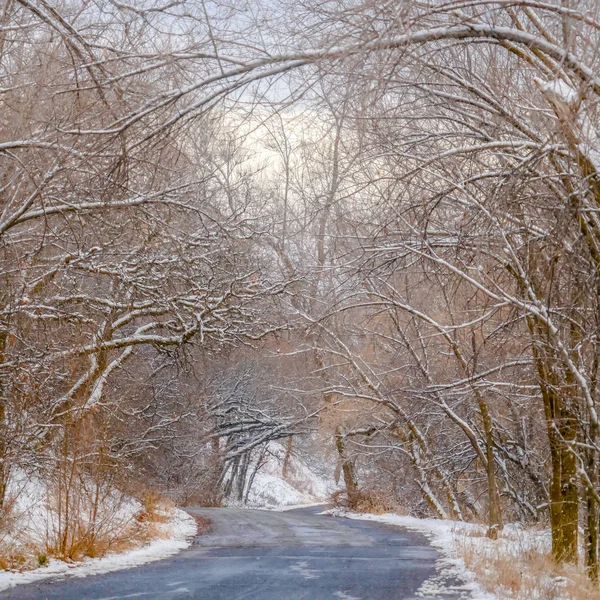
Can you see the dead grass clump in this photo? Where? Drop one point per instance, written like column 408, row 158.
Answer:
column 478, row 531
column 13, row 558
column 364, row 501
column 151, row 518
column 77, row 527
column 84, row 539
column 68, row 514
column 86, row 518
column 519, row 566
column 155, row 508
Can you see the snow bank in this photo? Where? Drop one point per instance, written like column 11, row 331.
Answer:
column 33, row 521
column 300, row 486
column 179, row 529
column 270, row 490
column 442, row 536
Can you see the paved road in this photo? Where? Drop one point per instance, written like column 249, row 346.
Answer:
column 261, row 555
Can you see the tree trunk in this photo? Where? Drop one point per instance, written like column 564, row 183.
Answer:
column 569, row 488
column 494, row 510
column 242, row 474
column 347, row 469
column 591, row 529
column 555, row 493
column 564, row 493
column 561, row 425
column 3, row 448
column 288, row 455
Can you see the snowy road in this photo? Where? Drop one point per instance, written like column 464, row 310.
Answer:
column 260, row 555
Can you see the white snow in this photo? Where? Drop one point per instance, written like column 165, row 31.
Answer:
column 34, row 522
column 180, row 528
column 559, row 90
column 271, row 490
column 301, row 486
column 442, row 536
column 303, row 569
column 589, row 144
column 451, row 538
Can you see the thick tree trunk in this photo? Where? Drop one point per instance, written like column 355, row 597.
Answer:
column 3, row 457
column 288, row 455
column 561, row 424
column 3, row 448
column 555, row 493
column 591, row 529
column 564, row 493
column 242, row 475
column 232, row 477
column 347, row 469
column 570, row 489
column 494, row 509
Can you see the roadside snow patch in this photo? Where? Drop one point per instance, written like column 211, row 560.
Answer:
column 442, row 535
column 181, row 527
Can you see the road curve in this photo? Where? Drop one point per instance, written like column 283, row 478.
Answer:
column 262, row 555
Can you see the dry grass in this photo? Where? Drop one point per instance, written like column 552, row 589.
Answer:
column 83, row 535
column 365, row 501
column 155, row 508
column 519, row 566
column 12, row 558
column 150, row 520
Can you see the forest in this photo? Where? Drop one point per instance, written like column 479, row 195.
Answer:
column 365, row 230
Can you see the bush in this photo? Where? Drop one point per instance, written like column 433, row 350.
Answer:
column 364, row 501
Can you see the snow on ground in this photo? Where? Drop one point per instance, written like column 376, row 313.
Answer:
column 34, row 522
column 300, row 486
column 270, row 490
column 454, row 539
column 180, row 528
column 443, row 536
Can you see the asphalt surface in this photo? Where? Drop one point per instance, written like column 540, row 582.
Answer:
column 262, row 555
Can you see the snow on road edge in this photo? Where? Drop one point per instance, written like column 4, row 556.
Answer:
column 442, row 535
column 181, row 526
column 287, row 507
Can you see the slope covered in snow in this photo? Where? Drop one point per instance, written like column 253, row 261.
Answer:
column 42, row 534
column 300, row 484
column 177, row 530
